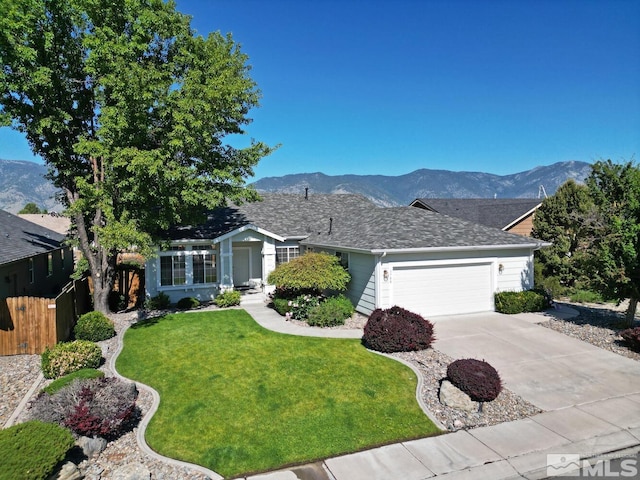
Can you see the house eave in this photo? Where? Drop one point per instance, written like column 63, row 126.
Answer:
column 467, row 248
column 244, row 228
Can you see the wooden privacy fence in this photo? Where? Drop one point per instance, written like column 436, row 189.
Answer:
column 29, row 324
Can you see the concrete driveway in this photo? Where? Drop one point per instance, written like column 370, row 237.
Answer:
column 546, row 368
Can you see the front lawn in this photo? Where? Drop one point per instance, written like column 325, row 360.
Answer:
column 238, row 398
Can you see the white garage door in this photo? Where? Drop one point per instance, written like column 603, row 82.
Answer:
column 443, row 289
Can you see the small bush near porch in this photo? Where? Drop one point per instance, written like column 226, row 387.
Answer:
column 237, row 398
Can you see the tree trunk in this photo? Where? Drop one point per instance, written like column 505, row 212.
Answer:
column 631, row 311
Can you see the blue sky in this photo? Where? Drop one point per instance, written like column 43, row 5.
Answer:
column 388, row 87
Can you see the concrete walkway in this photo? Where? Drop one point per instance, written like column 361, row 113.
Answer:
column 591, row 397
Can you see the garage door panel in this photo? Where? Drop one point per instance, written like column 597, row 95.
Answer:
column 443, row 289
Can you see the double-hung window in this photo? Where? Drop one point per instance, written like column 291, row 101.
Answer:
column 173, row 268
column 204, row 265
column 286, row 254
column 182, row 265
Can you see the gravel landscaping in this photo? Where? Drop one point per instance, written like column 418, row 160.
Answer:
column 598, row 325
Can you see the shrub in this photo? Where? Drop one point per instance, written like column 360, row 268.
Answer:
column 102, row 407
column 32, row 450
column 94, row 326
column 476, row 378
column 311, row 272
column 160, row 302
column 229, row 298
column 282, row 305
column 518, row 302
column 62, row 382
column 332, row 312
column 397, row 330
column 118, row 302
column 631, row 336
column 302, row 306
column 586, row 296
column 70, row 357
column 187, row 303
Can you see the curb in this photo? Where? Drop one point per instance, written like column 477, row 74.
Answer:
column 23, row 403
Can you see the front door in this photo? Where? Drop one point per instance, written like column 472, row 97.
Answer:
column 241, row 266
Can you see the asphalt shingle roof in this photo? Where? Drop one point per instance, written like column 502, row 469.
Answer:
column 21, row 239
column 411, row 228
column 284, row 214
column 350, row 221
column 491, row 212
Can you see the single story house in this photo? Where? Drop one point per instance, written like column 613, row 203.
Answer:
column 33, row 260
column 423, row 261
column 514, row 215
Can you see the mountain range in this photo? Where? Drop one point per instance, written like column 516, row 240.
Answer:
column 424, row 183
column 22, row 182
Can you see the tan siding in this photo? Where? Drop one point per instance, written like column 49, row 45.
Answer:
column 523, row 227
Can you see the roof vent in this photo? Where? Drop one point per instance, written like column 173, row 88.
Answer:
column 330, row 224
column 306, row 193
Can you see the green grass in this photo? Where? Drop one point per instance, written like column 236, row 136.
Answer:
column 237, row 398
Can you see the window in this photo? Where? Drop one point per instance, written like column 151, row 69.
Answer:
column 286, row 254
column 49, row 264
column 173, row 270
column 344, row 259
column 204, row 268
column 32, row 276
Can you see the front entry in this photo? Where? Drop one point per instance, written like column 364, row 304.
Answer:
column 241, row 266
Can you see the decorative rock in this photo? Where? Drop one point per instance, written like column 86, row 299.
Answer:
column 132, row 471
column 69, row 471
column 92, row 446
column 452, row 396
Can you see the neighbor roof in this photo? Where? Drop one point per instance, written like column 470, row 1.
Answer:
column 491, row 212
column 350, row 221
column 52, row 221
column 21, row 239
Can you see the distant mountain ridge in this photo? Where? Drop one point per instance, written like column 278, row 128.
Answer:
column 22, row 182
column 425, row 183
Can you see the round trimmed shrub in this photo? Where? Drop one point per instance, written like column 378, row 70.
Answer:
column 32, row 450
column 332, row 312
column 476, row 378
column 104, row 407
column 94, row 326
column 229, row 298
column 69, row 357
column 631, row 336
column 187, row 303
column 397, row 330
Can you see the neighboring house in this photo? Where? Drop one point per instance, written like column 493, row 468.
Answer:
column 514, row 215
column 33, row 259
column 423, row 261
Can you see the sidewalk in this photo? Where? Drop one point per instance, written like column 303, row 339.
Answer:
column 586, row 416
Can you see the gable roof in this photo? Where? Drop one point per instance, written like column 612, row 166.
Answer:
column 492, row 212
column 20, row 239
column 351, row 222
column 409, row 228
column 284, row 214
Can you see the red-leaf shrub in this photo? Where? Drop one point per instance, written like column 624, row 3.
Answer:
column 631, row 336
column 397, row 330
column 104, row 407
column 476, row 378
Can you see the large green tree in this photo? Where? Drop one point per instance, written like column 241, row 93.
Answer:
column 131, row 110
column 615, row 236
column 563, row 220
